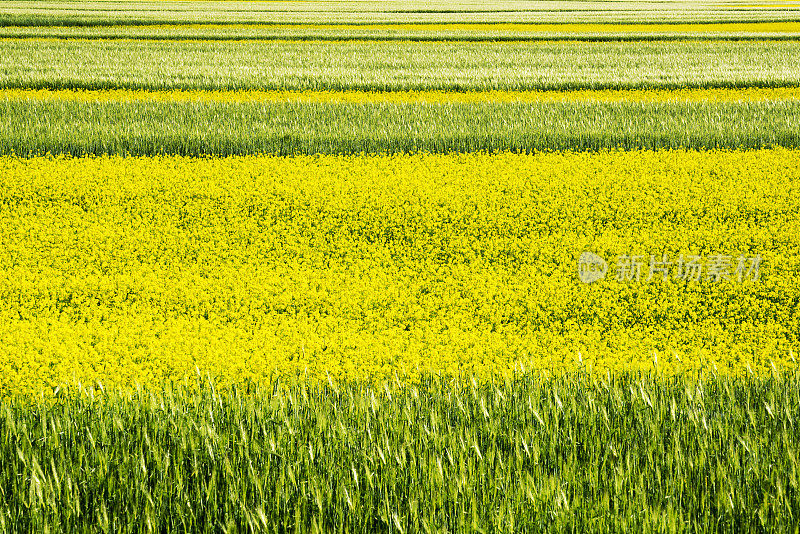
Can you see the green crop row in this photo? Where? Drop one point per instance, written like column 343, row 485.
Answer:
column 529, row 455
column 438, row 33
column 45, row 16
column 388, row 66
column 49, row 13
column 30, row 127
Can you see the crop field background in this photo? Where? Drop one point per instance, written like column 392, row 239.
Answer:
column 321, row 266
column 370, row 66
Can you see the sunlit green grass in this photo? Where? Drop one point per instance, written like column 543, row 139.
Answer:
column 82, row 13
column 407, row 32
column 571, row 454
column 392, row 66
column 30, row 127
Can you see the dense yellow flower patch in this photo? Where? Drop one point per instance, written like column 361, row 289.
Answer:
column 124, row 270
column 749, row 94
column 763, row 6
column 691, row 27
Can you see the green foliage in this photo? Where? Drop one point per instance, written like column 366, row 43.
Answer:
column 571, row 454
column 30, row 127
column 387, row 32
column 88, row 13
column 393, row 66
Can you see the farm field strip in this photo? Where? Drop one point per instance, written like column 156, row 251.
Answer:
column 385, row 36
column 31, row 127
column 749, row 94
column 527, row 455
column 49, row 19
column 453, row 32
column 126, row 270
column 749, row 27
column 89, row 14
column 393, row 66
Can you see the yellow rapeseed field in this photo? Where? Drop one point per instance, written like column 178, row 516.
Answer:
column 713, row 27
column 749, row 94
column 148, row 270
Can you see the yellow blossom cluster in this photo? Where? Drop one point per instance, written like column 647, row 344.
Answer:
column 500, row 27
column 150, row 270
column 748, row 94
